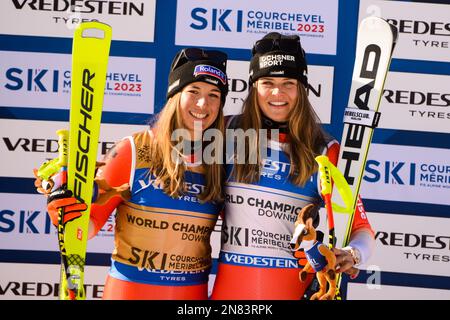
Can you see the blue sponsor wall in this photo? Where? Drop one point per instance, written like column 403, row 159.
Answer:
column 163, row 49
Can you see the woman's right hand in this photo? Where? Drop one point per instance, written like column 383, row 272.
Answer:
column 58, row 197
column 61, row 199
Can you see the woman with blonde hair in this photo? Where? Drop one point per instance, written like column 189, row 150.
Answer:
column 264, row 196
column 167, row 200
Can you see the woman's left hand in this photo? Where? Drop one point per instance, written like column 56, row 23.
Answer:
column 345, row 263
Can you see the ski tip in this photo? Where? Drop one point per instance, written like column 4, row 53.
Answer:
column 94, row 30
column 377, row 25
column 374, row 23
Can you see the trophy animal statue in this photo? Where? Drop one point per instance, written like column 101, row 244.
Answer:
column 320, row 258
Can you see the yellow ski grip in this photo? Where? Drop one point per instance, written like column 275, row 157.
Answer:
column 327, row 172
column 63, row 147
column 325, row 175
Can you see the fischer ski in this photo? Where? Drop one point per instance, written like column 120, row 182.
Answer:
column 375, row 44
column 90, row 52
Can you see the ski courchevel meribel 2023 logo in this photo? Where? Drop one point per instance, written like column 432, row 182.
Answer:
column 238, row 24
column 257, row 21
column 53, row 80
column 423, row 174
column 426, row 174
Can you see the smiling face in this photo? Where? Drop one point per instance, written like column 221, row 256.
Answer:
column 277, row 97
column 199, row 105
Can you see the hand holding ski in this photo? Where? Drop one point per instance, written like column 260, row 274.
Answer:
column 330, row 175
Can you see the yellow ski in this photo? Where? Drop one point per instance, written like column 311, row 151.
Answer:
column 90, row 54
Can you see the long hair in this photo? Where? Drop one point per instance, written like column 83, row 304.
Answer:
column 305, row 135
column 169, row 173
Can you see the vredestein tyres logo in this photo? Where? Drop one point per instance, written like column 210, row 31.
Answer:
column 416, row 246
column 355, row 132
column 41, row 289
column 104, row 7
column 423, row 28
column 436, row 31
column 417, row 98
column 59, row 18
column 422, row 101
column 41, row 145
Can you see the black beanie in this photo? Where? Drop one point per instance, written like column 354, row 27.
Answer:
column 195, row 64
column 277, row 55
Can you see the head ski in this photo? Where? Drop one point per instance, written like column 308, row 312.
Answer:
column 374, row 47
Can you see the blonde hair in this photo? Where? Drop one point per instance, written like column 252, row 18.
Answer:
column 170, row 173
column 305, row 136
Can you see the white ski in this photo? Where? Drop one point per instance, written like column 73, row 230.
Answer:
column 375, row 43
